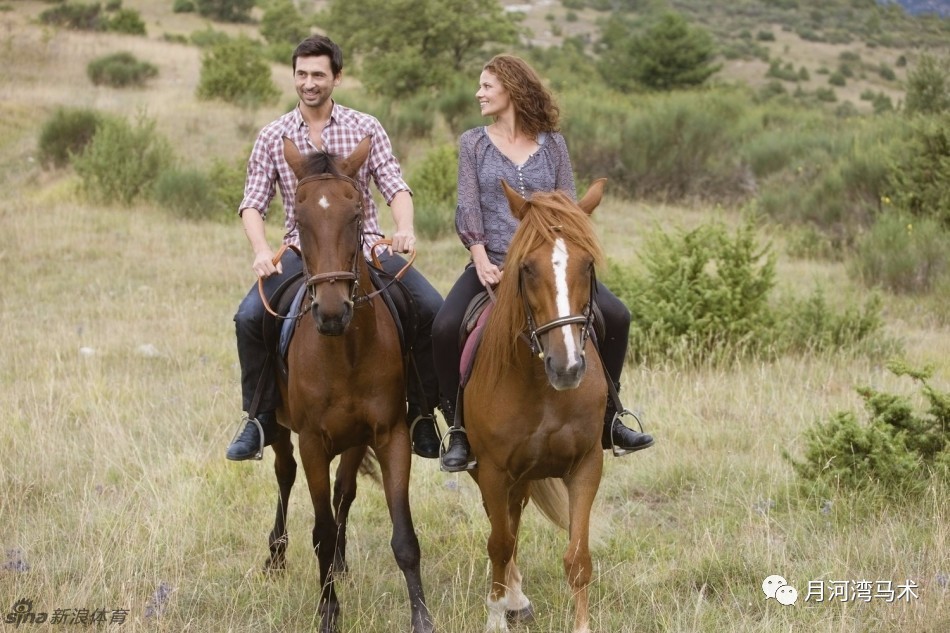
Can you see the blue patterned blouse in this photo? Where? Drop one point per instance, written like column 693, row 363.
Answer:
column 482, row 215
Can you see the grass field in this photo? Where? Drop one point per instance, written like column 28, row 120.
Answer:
column 119, row 384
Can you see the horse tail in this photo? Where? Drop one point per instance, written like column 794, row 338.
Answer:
column 369, row 466
column 551, row 498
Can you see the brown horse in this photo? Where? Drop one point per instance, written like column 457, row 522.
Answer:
column 346, row 386
column 534, row 404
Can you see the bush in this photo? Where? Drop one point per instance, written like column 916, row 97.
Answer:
column 283, row 24
column 122, row 161
column 903, row 254
column 434, row 181
column 120, row 70
column 83, row 17
column 183, row 6
column 127, row 21
column 66, row 134
column 186, row 192
column 928, row 87
column 811, row 326
column 208, row 37
column 236, row 71
column 920, row 177
column 897, row 451
column 226, row 10
column 704, row 297
column 837, row 79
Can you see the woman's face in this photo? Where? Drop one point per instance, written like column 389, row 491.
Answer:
column 492, row 97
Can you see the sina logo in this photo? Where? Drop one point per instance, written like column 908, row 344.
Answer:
column 22, row 613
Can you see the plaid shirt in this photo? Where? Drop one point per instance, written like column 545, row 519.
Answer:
column 346, row 128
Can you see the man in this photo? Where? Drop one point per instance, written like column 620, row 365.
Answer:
column 318, row 123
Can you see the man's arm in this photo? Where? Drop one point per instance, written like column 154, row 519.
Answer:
column 253, row 222
column 404, row 237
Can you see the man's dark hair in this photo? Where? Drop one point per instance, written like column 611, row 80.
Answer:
column 318, row 46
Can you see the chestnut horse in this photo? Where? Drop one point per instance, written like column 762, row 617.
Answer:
column 534, row 405
column 346, row 385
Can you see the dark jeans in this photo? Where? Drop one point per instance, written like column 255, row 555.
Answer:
column 252, row 351
column 448, row 322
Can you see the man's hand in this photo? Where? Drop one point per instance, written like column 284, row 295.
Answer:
column 404, row 241
column 264, row 264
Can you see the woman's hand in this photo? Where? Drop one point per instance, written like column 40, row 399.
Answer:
column 488, row 273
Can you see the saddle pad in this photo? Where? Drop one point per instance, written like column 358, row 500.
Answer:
column 471, row 344
column 287, row 325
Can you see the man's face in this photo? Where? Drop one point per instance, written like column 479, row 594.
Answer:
column 314, row 80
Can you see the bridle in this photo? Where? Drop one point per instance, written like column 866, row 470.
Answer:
column 352, row 275
column 585, row 319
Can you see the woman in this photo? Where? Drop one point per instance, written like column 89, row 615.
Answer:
column 524, row 147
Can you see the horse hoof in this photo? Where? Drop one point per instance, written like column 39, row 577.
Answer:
column 274, row 566
column 521, row 616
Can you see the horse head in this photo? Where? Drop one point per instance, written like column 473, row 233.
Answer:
column 329, row 210
column 556, row 250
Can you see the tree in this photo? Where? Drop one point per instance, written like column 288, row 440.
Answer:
column 412, row 45
column 226, row 10
column 669, row 54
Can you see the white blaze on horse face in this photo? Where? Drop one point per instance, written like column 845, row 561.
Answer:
column 323, row 202
column 559, row 259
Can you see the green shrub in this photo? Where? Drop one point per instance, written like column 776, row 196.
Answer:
column 66, row 134
column 226, row 10
column 120, row 70
column 185, row 192
column 837, row 79
column 122, row 161
column 882, row 103
column 897, row 451
column 903, row 254
column 920, row 177
column 206, row 38
column 765, row 36
column 703, row 298
column 83, row 17
column 886, row 72
column 812, row 326
column 283, row 24
column 183, row 6
column 236, row 71
column 433, row 182
column 127, row 21
column 928, row 86
column 826, row 94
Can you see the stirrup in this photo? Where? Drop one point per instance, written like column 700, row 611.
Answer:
column 443, row 446
column 259, row 455
column 619, row 451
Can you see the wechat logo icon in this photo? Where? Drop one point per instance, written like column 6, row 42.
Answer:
column 776, row 587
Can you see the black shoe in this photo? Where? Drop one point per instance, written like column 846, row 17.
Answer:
column 456, row 457
column 249, row 443
column 424, row 436
column 622, row 440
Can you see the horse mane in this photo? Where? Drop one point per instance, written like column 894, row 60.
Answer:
column 321, row 163
column 548, row 216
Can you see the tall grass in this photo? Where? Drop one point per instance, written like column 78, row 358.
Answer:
column 119, row 386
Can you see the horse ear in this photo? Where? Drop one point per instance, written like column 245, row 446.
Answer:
column 293, row 157
column 515, row 201
column 352, row 163
column 593, row 196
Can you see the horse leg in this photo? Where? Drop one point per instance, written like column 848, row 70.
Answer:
column 582, row 487
column 518, row 609
column 344, row 493
column 394, row 464
column 285, row 469
column 501, row 541
column 316, row 465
